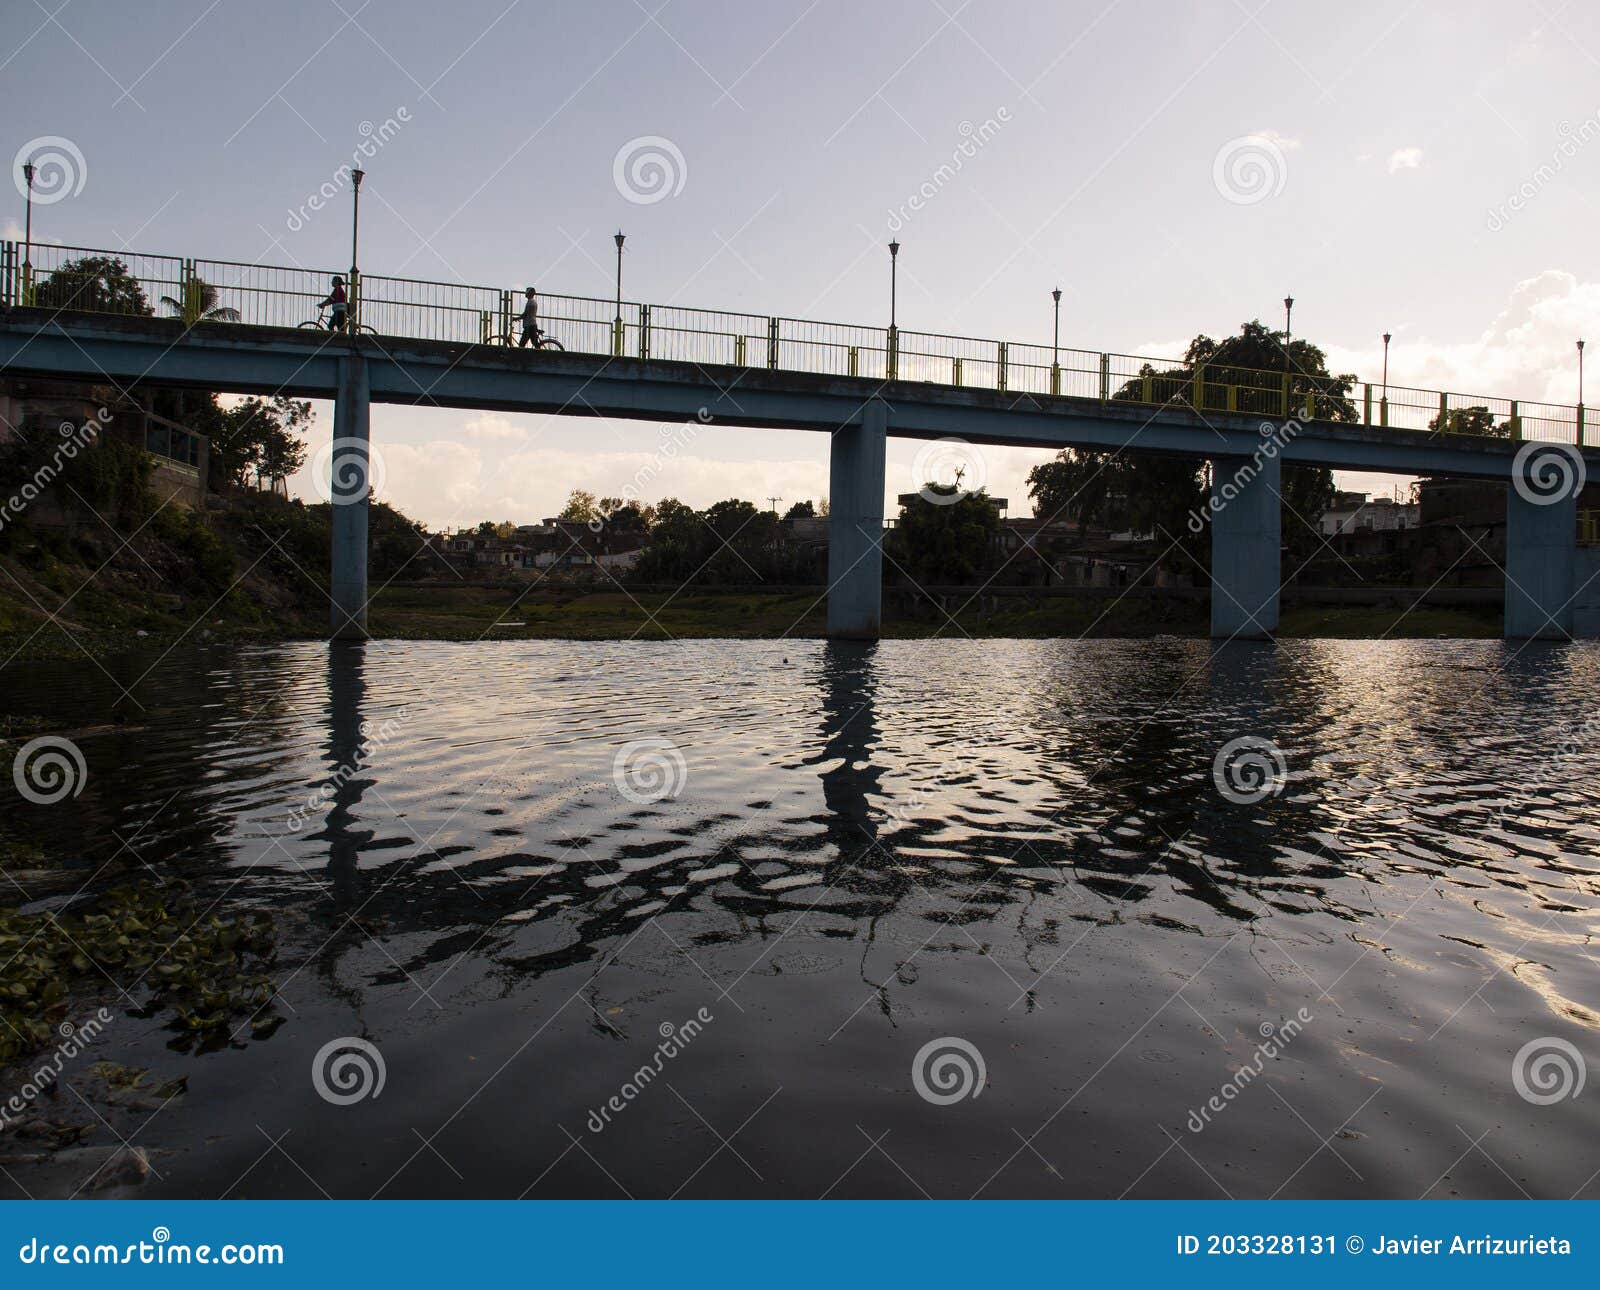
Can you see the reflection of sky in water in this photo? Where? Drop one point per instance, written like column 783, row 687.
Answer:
column 1019, row 842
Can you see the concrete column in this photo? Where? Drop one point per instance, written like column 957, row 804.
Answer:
column 1586, row 593
column 855, row 526
column 348, row 488
column 1541, row 555
column 1246, row 533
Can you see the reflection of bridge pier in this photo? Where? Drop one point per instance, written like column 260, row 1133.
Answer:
column 347, row 751
column 850, row 736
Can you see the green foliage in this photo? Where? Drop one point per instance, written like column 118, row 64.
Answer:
column 203, row 969
column 580, row 505
column 199, row 303
column 255, row 440
column 201, row 547
column 728, row 544
column 100, row 283
column 801, row 511
column 1149, row 494
column 945, row 541
column 1476, row 420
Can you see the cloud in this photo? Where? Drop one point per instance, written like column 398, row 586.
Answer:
column 491, row 426
column 1527, row 351
column 1279, row 140
column 1404, row 159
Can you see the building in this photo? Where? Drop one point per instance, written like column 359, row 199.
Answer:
column 180, row 457
column 1355, row 513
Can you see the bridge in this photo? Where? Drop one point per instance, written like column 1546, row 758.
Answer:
column 442, row 345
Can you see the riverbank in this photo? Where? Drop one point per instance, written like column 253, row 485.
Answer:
column 468, row 613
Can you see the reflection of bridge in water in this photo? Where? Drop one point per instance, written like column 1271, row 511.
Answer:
column 433, row 345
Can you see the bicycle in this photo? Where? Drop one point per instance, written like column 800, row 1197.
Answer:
column 541, row 340
column 322, row 323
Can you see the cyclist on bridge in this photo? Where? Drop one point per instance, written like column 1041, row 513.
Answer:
column 530, row 320
column 336, row 299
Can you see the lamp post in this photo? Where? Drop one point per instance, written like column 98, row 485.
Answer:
column 894, row 336
column 616, row 342
column 1055, row 346
column 356, row 176
column 1578, row 437
column 27, row 234
column 1288, row 313
column 1383, row 403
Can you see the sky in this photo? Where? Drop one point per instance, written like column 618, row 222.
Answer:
column 1176, row 169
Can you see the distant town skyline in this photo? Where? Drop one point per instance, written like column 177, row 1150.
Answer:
column 760, row 159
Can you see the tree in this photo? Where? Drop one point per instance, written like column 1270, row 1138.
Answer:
column 801, row 511
column 258, row 439
column 1149, row 494
column 580, row 506
column 199, row 304
column 945, row 541
column 98, row 283
column 1476, row 420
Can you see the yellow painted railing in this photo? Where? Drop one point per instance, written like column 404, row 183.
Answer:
column 81, row 280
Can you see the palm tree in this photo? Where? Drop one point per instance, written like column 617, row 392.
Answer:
column 199, row 304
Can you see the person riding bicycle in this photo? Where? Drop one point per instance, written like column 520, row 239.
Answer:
column 337, row 301
column 530, row 320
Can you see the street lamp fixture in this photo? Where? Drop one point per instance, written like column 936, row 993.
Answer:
column 356, row 176
column 616, row 341
column 1055, row 346
column 27, row 244
column 893, row 356
column 1383, row 403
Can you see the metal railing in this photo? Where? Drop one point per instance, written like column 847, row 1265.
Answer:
column 77, row 279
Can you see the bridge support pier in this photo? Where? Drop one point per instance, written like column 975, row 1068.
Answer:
column 348, row 488
column 855, row 525
column 1246, row 534
column 1541, row 559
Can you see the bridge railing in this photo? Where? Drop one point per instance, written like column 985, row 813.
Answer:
column 81, row 279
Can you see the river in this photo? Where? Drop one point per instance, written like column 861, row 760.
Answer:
column 786, row 918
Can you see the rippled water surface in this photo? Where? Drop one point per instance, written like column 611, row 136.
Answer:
column 1017, row 845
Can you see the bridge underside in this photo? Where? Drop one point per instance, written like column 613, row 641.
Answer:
column 1548, row 589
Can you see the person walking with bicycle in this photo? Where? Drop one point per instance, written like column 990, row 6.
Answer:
column 337, row 301
column 530, row 319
